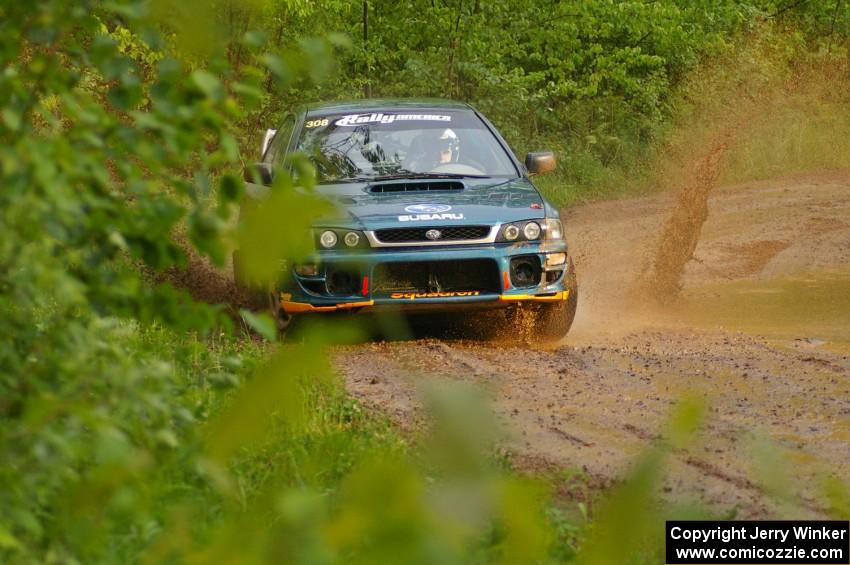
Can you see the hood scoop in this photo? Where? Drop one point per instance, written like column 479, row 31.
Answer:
column 417, row 186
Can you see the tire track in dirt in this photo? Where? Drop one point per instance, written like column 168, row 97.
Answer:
column 551, row 422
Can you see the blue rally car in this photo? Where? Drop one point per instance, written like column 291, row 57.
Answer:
column 435, row 213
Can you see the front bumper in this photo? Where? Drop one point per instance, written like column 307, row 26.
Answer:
column 432, row 279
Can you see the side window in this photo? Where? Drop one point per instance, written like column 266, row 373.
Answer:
column 277, row 148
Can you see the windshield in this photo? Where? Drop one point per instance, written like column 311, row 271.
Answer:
column 371, row 146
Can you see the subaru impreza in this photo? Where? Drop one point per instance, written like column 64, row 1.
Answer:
column 434, row 213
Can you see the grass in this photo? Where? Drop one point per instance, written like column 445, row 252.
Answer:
column 321, row 488
column 182, row 493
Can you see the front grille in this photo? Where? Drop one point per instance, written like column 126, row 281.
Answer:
column 414, row 235
column 440, row 185
column 480, row 275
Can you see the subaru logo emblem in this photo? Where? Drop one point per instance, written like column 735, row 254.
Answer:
column 427, row 208
column 433, row 234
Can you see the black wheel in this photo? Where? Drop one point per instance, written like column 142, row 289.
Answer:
column 281, row 318
column 553, row 321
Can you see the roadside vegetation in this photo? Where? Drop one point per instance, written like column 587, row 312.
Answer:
column 139, row 425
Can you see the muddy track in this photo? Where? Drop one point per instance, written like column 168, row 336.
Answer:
column 597, row 400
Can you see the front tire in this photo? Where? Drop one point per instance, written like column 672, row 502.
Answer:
column 552, row 322
column 283, row 321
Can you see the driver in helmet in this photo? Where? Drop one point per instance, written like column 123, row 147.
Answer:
column 448, row 146
column 438, row 147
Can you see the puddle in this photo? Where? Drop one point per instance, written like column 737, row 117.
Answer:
column 812, row 309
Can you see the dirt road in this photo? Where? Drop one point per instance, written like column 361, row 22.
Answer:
column 762, row 334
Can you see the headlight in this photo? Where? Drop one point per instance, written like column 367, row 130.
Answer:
column 531, row 230
column 554, row 229
column 333, row 238
column 328, row 239
column 351, row 239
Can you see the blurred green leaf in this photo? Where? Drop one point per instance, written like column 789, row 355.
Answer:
column 208, row 83
column 686, row 419
column 262, row 323
column 7, row 540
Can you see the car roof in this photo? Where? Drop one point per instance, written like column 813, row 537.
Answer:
column 384, row 104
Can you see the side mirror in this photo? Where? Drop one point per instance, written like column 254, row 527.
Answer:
column 540, row 162
column 267, row 138
column 258, row 173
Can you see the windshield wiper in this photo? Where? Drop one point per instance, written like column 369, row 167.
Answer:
column 349, row 179
column 412, row 175
column 504, row 182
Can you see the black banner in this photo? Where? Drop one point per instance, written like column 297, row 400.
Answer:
column 762, row 542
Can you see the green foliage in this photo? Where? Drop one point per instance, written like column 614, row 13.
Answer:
column 105, row 148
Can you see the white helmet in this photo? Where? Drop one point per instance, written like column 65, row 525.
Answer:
column 448, row 141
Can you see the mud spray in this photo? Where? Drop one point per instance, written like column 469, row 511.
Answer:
column 205, row 282
column 681, row 232
column 764, row 112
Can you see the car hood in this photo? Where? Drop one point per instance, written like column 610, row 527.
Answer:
column 482, row 201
